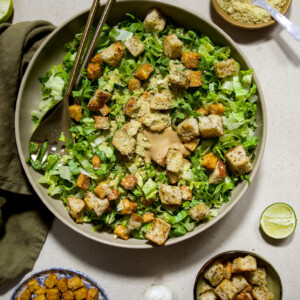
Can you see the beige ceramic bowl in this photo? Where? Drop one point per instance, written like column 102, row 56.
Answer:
column 51, row 53
column 230, row 20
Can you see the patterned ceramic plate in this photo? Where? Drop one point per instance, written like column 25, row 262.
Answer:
column 42, row 275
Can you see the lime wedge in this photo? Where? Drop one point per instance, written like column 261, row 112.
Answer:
column 6, row 8
column 278, row 220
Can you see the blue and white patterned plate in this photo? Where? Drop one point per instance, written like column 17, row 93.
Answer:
column 42, row 275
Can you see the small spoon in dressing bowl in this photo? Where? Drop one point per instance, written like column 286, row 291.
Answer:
column 291, row 28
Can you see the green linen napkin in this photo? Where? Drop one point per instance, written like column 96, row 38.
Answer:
column 24, row 220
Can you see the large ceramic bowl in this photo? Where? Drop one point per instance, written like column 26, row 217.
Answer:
column 51, row 53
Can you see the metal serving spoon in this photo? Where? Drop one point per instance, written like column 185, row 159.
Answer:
column 291, row 28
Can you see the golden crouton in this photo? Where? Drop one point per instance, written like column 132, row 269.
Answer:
column 41, row 291
column 113, row 195
column 75, row 111
column 128, row 207
column 217, row 109
column 244, row 296
column 104, row 110
column 195, row 78
column 186, row 193
column 208, row 295
column 173, row 177
column 134, row 84
column 98, row 100
column 199, row 212
column 240, row 284
column 144, row 71
column 113, row 54
column 158, row 232
column 102, row 189
column 179, row 79
column 92, row 294
column 129, row 182
column 99, row 206
column 190, row 59
column 81, row 293
column 225, row 290
column 244, row 264
column 174, row 160
column 192, row 144
column 262, row 293
column 25, row 295
column 226, row 68
column 154, row 21
column 135, row 46
column 96, row 58
column 130, row 107
column 51, row 281
column 209, row 161
column 123, row 142
column 39, row 297
column 257, row 277
column 62, row 284
column 94, row 71
column 76, row 208
column 75, row 283
column 83, row 181
column 215, row 273
column 101, row 123
column 161, row 102
column 227, row 269
column 156, row 121
column 96, row 162
column 122, row 232
column 53, row 294
column 188, row 129
column 202, row 110
column 132, row 127
column 148, row 217
column 219, row 173
column 172, row 46
column 211, row 126
column 170, row 195
column 33, row 285
column 135, row 221
column 68, row 295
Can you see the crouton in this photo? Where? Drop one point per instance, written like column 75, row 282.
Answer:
column 39, row 297
column 161, row 102
column 238, row 161
column 170, row 195
column 96, row 162
column 135, row 46
column 227, row 269
column 134, row 84
column 148, row 217
column 192, row 144
column 104, row 110
column 132, row 127
column 211, row 126
column 172, row 46
column 244, row 296
column 25, row 295
column 92, row 294
column 173, row 177
column 113, row 54
column 156, row 121
column 225, row 290
column 94, row 71
column 129, row 182
column 199, row 212
column 76, row 208
column 188, row 129
column 123, row 142
column 190, row 59
column 208, row 295
column 62, row 284
column 154, row 21
column 122, row 232
column 142, row 143
column 186, row 192
column 130, row 107
column 41, row 291
column 128, row 207
column 96, row 58
column 33, row 285
column 113, row 195
column 101, row 123
column 99, row 206
column 144, row 71
column 257, row 277
column 209, row 161
column 219, row 173
column 217, row 109
column 75, row 111
column 174, row 160
column 158, row 232
column 75, row 283
column 68, row 295
column 83, row 181
column 226, row 68
column 215, row 273
column 53, row 294
column 262, row 293
column 102, row 189
column 245, row 264
column 135, row 221
column 98, row 100
column 202, row 110
column 239, row 283
column 195, row 78
column 180, row 79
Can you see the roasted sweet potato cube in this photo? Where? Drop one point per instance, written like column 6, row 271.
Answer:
column 68, row 295
column 129, row 207
column 209, row 161
column 195, row 78
column 134, row 84
column 190, row 59
column 83, row 181
column 33, row 285
column 62, row 284
column 26, row 295
column 96, row 162
column 144, row 71
column 92, row 294
column 129, row 182
column 75, row 111
column 122, row 232
column 104, row 110
column 202, row 110
column 53, row 294
column 81, row 293
column 96, row 58
column 94, row 71
column 75, row 283
column 39, row 297
column 217, row 109
column 148, row 217
column 41, row 291
column 51, row 281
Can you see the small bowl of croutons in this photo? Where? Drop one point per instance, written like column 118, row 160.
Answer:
column 239, row 275
column 57, row 284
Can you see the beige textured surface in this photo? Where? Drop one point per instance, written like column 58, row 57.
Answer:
column 125, row 273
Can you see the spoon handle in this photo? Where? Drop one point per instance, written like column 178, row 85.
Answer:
column 291, row 28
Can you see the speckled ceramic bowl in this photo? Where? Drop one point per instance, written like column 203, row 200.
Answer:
column 52, row 53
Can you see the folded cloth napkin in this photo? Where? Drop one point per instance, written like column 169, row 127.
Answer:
column 24, row 220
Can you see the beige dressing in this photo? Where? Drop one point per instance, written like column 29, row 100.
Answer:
column 160, row 142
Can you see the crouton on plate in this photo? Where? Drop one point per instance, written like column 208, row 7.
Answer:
column 158, row 232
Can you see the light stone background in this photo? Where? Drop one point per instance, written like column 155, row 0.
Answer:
column 124, row 274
